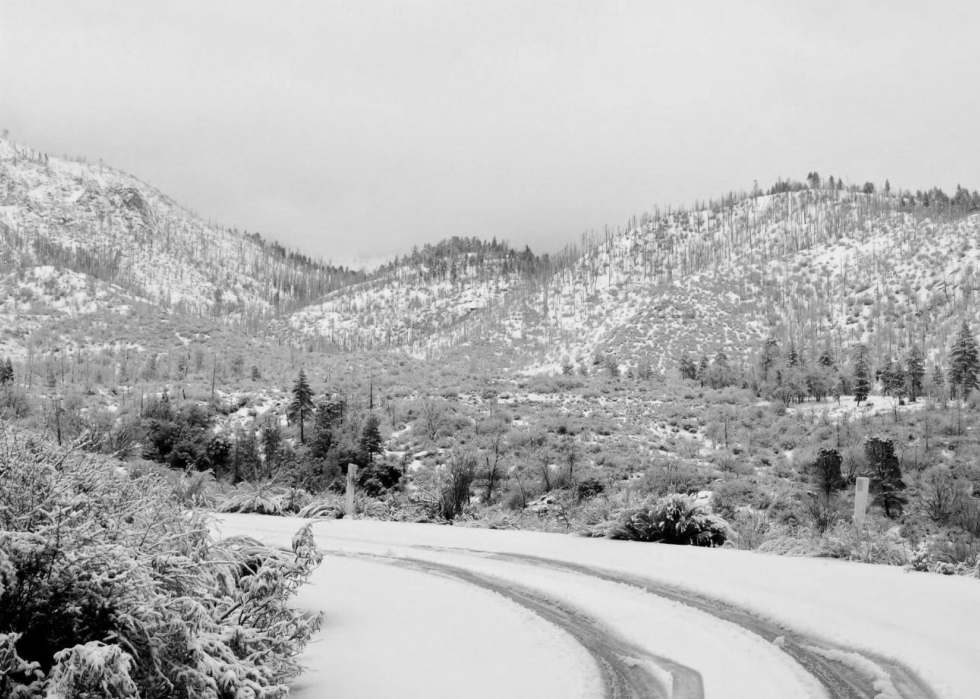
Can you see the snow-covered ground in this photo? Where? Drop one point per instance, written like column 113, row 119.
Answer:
column 422, row 610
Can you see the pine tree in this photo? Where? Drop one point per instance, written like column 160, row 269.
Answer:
column 271, row 444
column 862, row 373
column 792, row 357
column 825, row 472
column 964, row 362
column 6, row 372
column 328, row 421
column 893, row 379
column 370, row 442
column 915, row 370
column 826, row 356
column 886, row 475
column 688, row 368
column 770, row 353
column 301, row 406
column 703, row 369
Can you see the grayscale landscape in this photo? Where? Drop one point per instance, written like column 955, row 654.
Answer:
column 584, row 352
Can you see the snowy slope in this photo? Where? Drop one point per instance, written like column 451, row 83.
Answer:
column 732, row 623
column 813, row 266
column 402, row 309
column 99, row 221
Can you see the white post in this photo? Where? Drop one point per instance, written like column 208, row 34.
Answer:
column 860, row 500
column 351, row 479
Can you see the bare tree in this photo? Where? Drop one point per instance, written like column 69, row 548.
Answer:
column 433, row 417
column 493, row 453
column 458, row 475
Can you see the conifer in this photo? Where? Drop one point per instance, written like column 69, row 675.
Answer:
column 301, row 406
column 826, row 356
column 915, row 369
column 826, row 473
column 886, row 475
column 770, row 353
column 6, row 372
column 370, row 442
column 964, row 362
column 862, row 373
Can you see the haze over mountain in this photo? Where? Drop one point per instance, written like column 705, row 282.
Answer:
column 344, row 128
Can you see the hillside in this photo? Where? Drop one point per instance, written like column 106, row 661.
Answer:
column 97, row 221
column 816, row 266
column 423, row 302
column 813, row 267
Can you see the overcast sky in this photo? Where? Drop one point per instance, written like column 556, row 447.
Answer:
column 356, row 129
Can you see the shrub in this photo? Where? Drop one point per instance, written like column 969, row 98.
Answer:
column 377, row 478
column 109, row 588
column 872, row 544
column 751, row 530
column 675, row 519
column 265, row 498
column 731, row 495
column 14, row 403
column 589, row 488
column 670, row 476
column 825, row 511
column 326, row 506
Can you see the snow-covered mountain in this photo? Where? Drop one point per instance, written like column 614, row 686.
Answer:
column 817, row 265
column 424, row 302
column 97, row 221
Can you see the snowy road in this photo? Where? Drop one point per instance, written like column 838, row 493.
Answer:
column 422, row 610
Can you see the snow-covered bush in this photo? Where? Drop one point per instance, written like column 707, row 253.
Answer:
column 948, row 555
column 325, row 506
column 93, row 669
column 265, row 498
column 874, row 543
column 109, row 588
column 674, row 519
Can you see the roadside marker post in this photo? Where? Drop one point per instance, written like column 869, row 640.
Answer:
column 860, row 500
column 351, row 479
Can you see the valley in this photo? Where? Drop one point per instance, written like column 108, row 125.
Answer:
column 716, row 376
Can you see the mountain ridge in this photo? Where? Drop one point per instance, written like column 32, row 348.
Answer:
column 814, row 263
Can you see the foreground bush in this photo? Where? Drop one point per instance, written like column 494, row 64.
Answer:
column 674, row 519
column 265, row 498
column 108, row 588
column 874, row 543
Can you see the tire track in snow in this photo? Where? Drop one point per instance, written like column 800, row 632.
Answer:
column 625, row 668
column 840, row 680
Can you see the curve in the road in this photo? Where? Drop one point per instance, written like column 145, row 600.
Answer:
column 840, row 681
column 820, row 659
column 624, row 667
